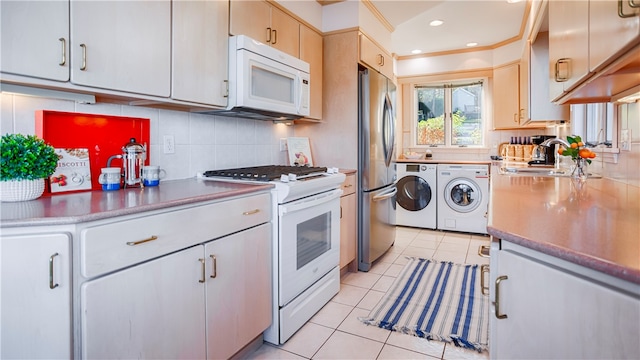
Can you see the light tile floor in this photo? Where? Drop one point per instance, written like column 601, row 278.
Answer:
column 335, row 331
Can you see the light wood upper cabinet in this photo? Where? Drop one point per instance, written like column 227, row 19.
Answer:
column 374, row 56
column 285, row 32
column 534, row 85
column 593, row 49
column 251, row 18
column 568, row 45
column 263, row 22
column 609, row 32
column 311, row 49
column 199, row 52
column 35, row 39
column 122, row 45
column 506, row 105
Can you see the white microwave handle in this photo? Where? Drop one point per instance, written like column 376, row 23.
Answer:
column 310, row 201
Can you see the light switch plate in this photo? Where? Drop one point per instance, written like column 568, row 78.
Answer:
column 283, row 144
column 625, row 139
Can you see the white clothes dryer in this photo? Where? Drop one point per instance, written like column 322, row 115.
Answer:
column 416, row 197
column 463, row 197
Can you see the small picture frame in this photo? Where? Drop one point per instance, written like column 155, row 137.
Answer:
column 299, row 151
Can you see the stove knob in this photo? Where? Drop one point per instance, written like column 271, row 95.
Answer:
column 293, row 177
column 284, row 178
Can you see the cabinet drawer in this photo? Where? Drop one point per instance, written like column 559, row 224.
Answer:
column 349, row 185
column 108, row 247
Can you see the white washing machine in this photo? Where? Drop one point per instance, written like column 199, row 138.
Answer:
column 463, row 197
column 416, row 196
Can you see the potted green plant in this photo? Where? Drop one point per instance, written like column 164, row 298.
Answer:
column 25, row 161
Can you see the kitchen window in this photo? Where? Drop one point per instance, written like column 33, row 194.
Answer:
column 594, row 123
column 449, row 114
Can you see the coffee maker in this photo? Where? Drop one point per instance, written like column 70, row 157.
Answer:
column 542, row 155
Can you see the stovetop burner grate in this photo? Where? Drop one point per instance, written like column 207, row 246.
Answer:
column 264, row 173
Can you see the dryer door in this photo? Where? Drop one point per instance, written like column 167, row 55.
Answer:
column 462, row 195
column 414, row 193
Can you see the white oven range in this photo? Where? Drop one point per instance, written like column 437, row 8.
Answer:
column 306, row 235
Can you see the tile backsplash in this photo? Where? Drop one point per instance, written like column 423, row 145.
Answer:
column 202, row 142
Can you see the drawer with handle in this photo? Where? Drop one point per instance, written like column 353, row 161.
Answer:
column 126, row 241
column 349, row 185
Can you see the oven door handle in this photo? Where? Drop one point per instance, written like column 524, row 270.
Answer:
column 386, row 195
column 310, row 201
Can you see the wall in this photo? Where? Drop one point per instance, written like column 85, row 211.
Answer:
column 203, row 142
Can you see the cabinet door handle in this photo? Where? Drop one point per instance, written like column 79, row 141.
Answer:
column 134, row 243
column 348, row 186
column 275, row 36
column 63, row 61
column 484, row 289
column 497, row 288
column 225, row 88
column 566, row 62
column 268, row 39
column 621, row 13
column 84, row 57
column 51, row 284
column 203, row 276
column 515, row 118
column 483, row 251
column 251, row 212
column 215, row 266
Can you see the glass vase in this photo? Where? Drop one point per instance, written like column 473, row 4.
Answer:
column 579, row 171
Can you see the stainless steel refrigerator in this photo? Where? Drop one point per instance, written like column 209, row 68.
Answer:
column 376, row 170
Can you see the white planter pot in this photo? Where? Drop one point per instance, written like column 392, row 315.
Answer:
column 21, row 190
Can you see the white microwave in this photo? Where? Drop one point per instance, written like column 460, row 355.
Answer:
column 265, row 83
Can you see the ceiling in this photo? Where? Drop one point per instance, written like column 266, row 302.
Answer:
column 488, row 23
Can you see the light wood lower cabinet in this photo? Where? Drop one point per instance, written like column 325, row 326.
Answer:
column 552, row 310
column 155, row 310
column 348, row 212
column 238, row 290
column 160, row 309
column 35, row 296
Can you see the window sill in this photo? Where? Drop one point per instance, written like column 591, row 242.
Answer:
column 456, row 149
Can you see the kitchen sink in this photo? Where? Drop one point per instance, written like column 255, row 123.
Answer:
column 535, row 171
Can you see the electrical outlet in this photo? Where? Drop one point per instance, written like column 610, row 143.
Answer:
column 169, row 144
column 625, row 139
column 283, row 145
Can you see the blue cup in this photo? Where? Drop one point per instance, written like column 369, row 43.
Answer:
column 110, row 178
column 151, row 175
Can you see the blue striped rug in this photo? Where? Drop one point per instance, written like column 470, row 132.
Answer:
column 436, row 300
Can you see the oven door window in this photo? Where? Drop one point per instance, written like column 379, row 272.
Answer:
column 314, row 239
column 308, row 243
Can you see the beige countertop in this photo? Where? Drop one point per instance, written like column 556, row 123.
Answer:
column 64, row 209
column 596, row 226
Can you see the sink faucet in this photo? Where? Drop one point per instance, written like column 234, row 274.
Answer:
column 549, row 142
column 552, row 141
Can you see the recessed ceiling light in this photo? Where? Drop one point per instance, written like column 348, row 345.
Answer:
column 472, row 44
column 416, row 51
column 513, row 1
column 436, row 23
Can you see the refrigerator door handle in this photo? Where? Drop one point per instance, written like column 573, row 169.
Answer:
column 386, row 195
column 388, row 130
